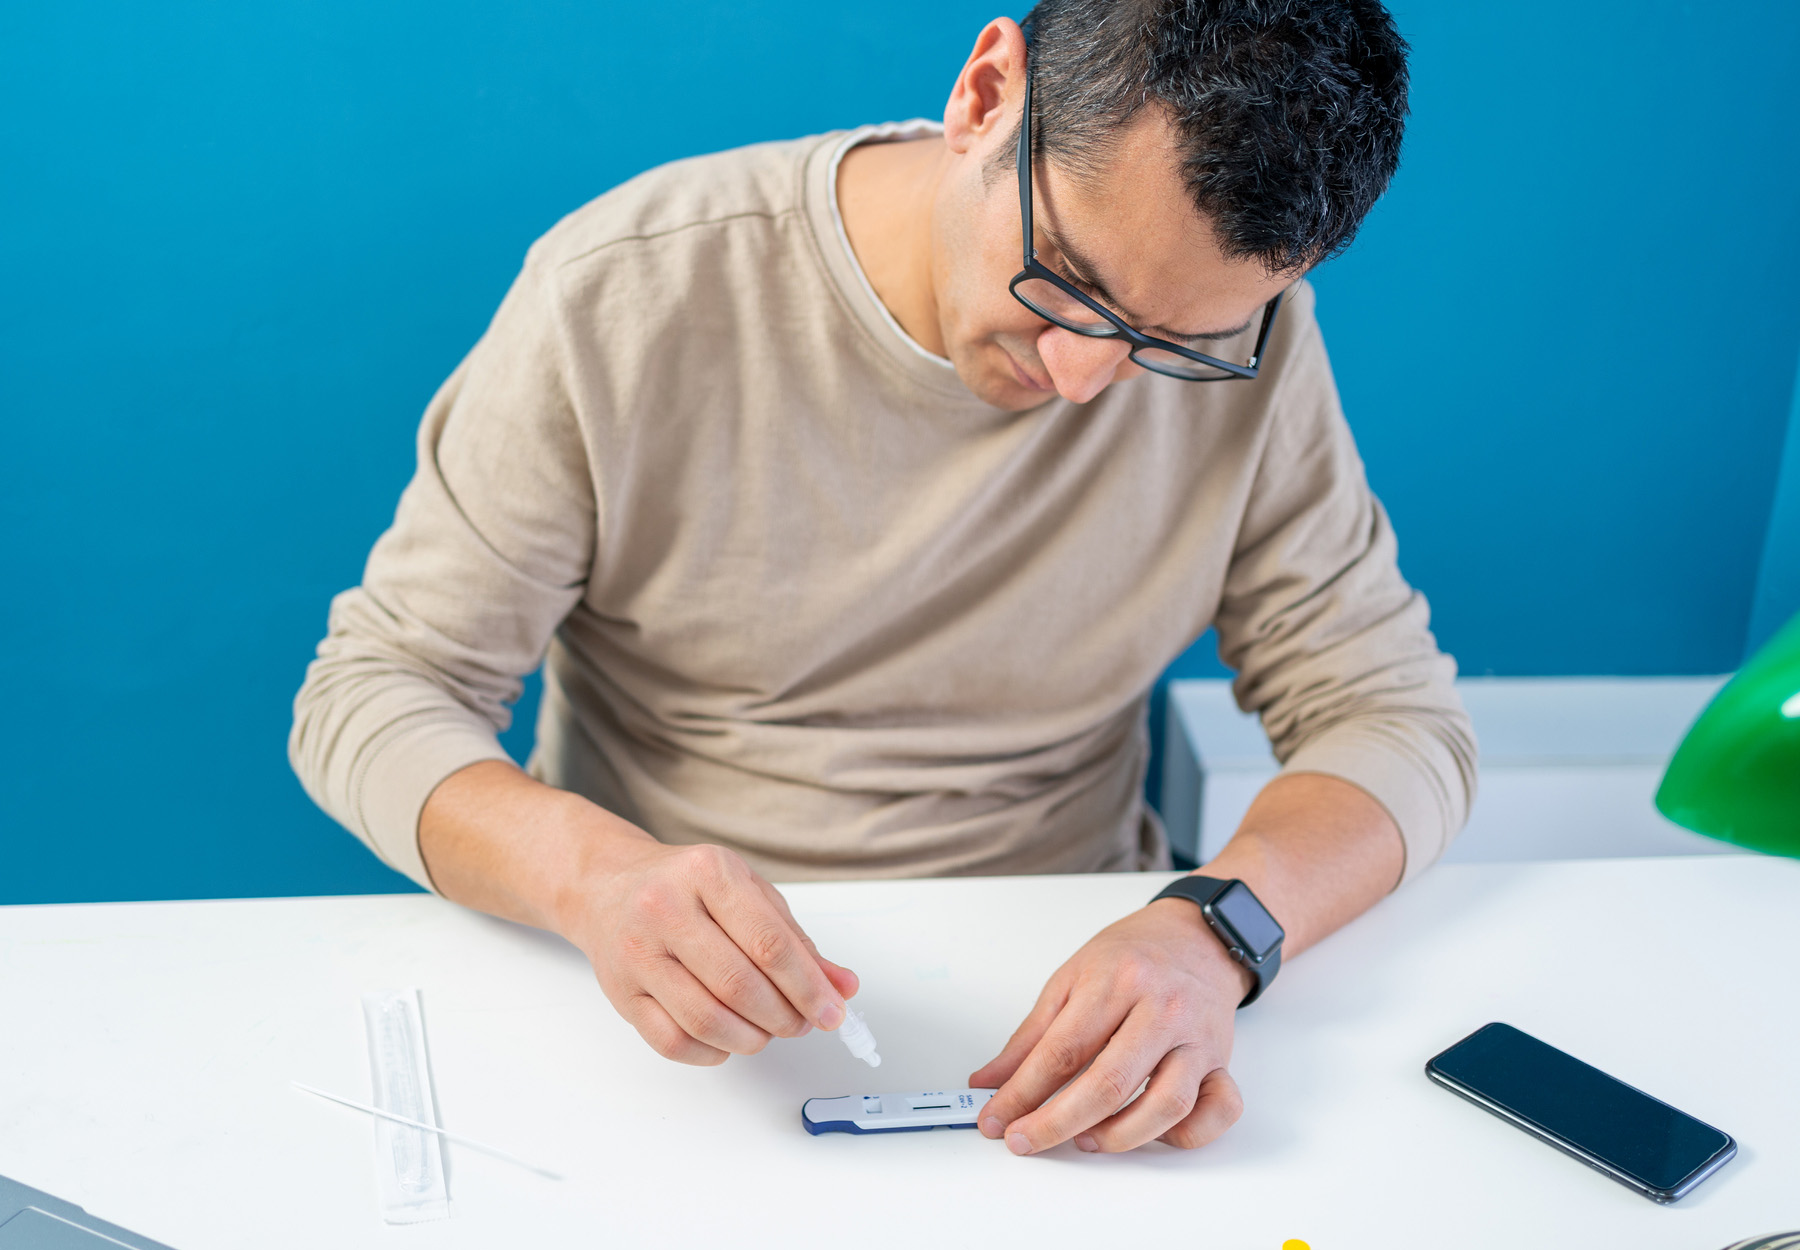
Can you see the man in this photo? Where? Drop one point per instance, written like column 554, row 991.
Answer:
column 852, row 538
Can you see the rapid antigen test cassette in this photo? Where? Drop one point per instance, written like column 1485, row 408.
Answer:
column 894, row 1113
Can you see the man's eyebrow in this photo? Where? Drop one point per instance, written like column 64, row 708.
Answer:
column 1082, row 270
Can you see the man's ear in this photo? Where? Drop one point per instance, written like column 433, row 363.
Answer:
column 987, row 93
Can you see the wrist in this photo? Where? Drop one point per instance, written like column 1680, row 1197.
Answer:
column 597, row 850
column 1203, row 954
column 500, row 841
column 1230, row 910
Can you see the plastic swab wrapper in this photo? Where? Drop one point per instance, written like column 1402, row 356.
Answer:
column 854, row 1032
column 409, row 1162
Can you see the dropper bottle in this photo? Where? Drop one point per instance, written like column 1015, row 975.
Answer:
column 856, row 1036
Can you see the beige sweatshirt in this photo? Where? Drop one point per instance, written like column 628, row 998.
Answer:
column 799, row 593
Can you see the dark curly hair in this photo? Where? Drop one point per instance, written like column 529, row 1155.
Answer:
column 1290, row 112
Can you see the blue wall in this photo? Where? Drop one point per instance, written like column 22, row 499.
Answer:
column 241, row 244
column 1778, row 582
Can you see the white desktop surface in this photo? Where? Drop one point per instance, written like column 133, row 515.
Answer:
column 147, row 1050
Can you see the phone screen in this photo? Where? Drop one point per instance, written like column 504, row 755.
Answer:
column 1575, row 1105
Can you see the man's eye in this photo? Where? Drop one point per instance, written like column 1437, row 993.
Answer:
column 1093, row 292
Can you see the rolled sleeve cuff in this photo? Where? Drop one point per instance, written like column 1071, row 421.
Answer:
column 1422, row 785
column 400, row 770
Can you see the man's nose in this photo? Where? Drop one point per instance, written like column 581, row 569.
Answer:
column 1081, row 367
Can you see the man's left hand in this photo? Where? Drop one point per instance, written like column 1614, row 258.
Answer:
column 1151, row 998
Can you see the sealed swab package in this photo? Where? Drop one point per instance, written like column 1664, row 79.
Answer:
column 409, row 1162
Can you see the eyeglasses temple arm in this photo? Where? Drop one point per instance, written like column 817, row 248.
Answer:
column 1262, row 335
column 1025, row 172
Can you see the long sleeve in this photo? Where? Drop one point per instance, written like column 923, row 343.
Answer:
column 489, row 550
column 1332, row 647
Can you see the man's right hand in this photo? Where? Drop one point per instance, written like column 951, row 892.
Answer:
column 703, row 957
column 691, row 946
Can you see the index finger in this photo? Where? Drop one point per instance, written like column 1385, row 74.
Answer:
column 1081, row 1028
column 776, row 945
column 846, row 981
column 1099, row 1093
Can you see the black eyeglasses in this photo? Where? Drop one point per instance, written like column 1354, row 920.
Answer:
column 1052, row 297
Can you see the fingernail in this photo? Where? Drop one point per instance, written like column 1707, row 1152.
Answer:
column 991, row 1127
column 831, row 1017
column 1084, row 1142
column 1018, row 1143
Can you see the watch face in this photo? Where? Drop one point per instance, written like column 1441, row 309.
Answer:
column 1257, row 931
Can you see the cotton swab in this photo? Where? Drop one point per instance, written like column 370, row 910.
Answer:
column 446, row 1134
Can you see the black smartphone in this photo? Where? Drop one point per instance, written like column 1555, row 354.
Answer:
column 1633, row 1138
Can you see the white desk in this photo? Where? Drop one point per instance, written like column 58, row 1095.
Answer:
column 147, row 1049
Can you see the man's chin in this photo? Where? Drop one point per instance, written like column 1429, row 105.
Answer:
column 998, row 380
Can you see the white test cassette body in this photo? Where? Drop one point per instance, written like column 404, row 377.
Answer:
column 894, row 1113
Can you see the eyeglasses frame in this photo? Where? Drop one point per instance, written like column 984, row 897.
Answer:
column 1034, row 268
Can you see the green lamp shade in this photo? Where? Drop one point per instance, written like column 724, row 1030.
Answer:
column 1736, row 776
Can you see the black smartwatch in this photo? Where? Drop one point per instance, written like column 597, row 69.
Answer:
column 1238, row 919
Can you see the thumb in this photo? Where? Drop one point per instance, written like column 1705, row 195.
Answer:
column 842, row 979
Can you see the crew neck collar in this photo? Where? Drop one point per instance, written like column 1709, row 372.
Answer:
column 925, row 367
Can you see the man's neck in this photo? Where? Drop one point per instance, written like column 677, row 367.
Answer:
column 885, row 192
